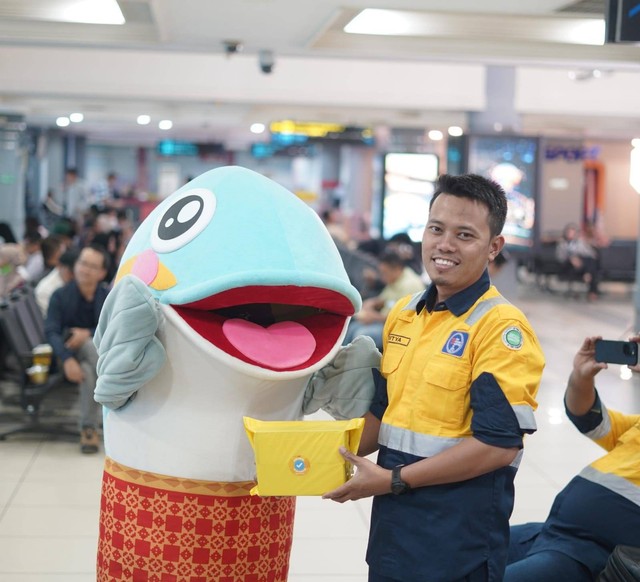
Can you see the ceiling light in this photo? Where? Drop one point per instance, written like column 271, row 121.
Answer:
column 92, row 12
column 435, row 135
column 143, row 120
column 257, row 127
column 76, row 117
column 455, row 131
column 165, row 124
column 587, row 32
column 62, row 121
column 375, row 21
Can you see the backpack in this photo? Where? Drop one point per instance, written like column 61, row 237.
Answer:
column 623, row 565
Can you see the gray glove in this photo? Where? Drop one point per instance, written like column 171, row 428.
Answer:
column 345, row 387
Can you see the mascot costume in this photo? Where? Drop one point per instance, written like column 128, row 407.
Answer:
column 231, row 300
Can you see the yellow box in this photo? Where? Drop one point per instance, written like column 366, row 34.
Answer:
column 301, row 457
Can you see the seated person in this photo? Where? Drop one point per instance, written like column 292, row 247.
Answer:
column 400, row 281
column 72, row 317
column 579, row 258
column 60, row 276
column 600, row 507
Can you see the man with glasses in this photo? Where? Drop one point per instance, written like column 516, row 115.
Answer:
column 71, row 322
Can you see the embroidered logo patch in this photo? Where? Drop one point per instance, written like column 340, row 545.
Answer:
column 512, row 338
column 456, row 343
column 299, row 465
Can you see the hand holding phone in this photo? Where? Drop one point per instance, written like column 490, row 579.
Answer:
column 617, row 352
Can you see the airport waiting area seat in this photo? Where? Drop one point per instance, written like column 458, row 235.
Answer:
column 21, row 329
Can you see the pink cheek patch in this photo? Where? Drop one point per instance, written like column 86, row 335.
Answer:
column 281, row 345
column 145, row 266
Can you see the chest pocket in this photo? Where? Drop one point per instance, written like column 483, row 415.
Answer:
column 444, row 397
column 391, row 359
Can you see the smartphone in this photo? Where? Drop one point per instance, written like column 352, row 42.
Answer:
column 616, row 352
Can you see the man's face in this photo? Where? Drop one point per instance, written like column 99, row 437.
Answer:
column 457, row 243
column 89, row 269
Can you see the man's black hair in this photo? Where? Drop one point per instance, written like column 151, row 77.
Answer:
column 478, row 188
column 106, row 257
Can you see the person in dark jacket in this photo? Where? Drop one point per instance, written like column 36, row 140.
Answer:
column 71, row 321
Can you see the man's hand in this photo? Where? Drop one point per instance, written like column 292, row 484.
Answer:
column 72, row 370
column 584, row 362
column 78, row 336
column 369, row 479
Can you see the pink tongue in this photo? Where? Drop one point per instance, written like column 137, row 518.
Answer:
column 281, row 345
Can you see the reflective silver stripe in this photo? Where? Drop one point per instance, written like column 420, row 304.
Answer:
column 604, row 428
column 483, row 308
column 524, row 414
column 422, row 445
column 413, row 303
column 613, row 482
column 407, row 441
column 516, row 462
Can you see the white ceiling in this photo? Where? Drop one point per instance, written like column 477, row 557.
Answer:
column 169, row 61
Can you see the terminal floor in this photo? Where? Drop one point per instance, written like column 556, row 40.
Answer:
column 49, row 492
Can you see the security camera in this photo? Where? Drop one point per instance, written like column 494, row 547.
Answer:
column 231, row 47
column 267, row 61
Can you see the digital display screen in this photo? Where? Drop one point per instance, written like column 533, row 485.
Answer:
column 408, row 186
column 512, row 163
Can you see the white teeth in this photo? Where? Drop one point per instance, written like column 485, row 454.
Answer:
column 444, row 262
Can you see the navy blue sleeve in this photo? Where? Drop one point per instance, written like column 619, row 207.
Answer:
column 493, row 422
column 587, row 422
column 380, row 398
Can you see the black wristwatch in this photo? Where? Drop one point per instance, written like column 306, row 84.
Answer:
column 398, row 486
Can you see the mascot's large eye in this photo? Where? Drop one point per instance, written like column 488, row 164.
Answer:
column 186, row 218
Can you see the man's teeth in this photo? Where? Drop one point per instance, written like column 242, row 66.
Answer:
column 444, row 262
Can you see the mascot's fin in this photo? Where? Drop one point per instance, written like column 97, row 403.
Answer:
column 129, row 353
column 345, row 387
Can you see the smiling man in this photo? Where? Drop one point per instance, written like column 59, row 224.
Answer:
column 461, row 367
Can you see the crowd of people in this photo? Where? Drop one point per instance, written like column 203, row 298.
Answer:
column 69, row 265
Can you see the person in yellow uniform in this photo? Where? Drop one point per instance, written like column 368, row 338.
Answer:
column 460, row 370
column 600, row 507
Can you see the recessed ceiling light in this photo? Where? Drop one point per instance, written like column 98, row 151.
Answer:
column 143, row 120
column 376, row 21
column 435, row 135
column 455, row 131
column 165, row 124
column 92, row 12
column 76, row 117
column 257, row 127
column 62, row 121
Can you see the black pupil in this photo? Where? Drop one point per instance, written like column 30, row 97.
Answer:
column 170, row 227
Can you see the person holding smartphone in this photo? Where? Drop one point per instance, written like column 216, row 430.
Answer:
column 600, row 507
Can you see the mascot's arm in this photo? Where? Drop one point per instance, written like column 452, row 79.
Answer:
column 345, row 387
column 129, row 353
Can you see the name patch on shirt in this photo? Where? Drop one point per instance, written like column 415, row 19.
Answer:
column 456, row 343
column 398, row 339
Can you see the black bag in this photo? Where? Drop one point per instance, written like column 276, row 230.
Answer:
column 623, row 565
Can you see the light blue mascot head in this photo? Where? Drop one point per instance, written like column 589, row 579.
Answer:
column 249, row 267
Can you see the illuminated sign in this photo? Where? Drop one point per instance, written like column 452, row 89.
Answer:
column 572, row 154
column 322, row 131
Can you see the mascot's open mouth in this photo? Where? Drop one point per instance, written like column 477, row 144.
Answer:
column 278, row 328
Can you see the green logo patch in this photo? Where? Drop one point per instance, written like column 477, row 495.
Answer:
column 512, row 338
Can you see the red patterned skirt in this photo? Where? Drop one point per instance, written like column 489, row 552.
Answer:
column 155, row 528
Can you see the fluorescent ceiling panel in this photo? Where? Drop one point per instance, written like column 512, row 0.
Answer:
column 550, row 29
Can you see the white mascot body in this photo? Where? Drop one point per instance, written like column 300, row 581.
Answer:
column 229, row 297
